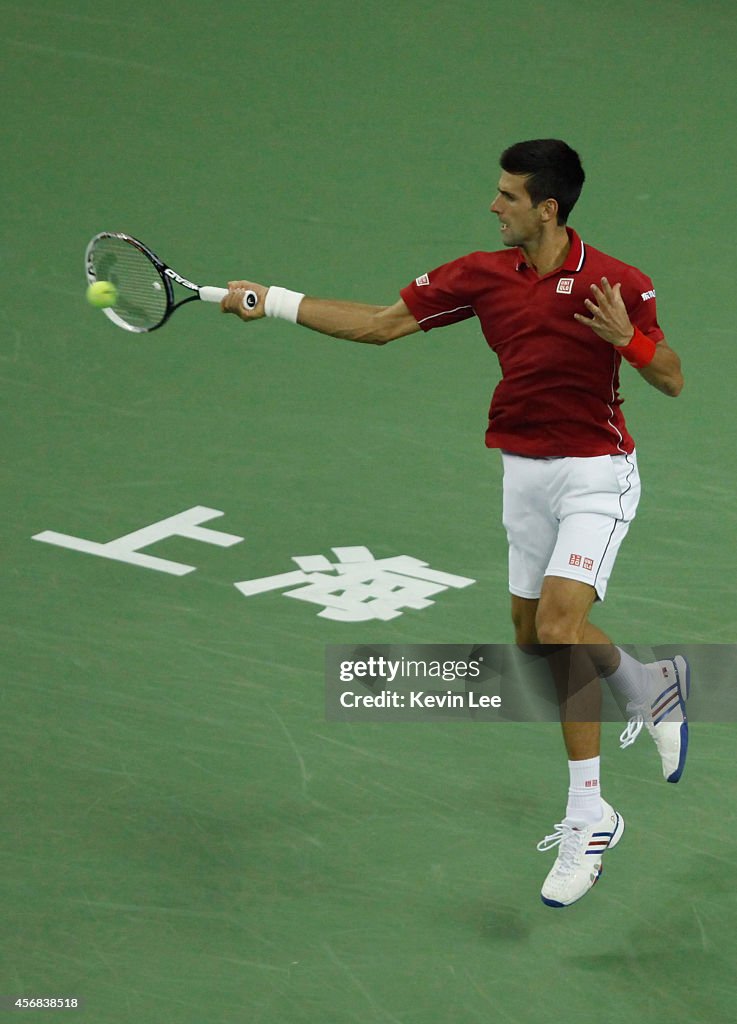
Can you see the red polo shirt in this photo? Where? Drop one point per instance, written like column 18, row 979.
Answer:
column 559, row 392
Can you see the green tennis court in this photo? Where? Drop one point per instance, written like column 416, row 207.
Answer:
column 185, row 837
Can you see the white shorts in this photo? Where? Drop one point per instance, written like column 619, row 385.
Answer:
column 567, row 517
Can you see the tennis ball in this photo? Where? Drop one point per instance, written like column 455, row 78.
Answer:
column 102, row 294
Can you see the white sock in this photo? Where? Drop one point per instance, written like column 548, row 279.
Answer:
column 584, row 795
column 631, row 679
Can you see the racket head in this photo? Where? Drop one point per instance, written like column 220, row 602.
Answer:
column 145, row 297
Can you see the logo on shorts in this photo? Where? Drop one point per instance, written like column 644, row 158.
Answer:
column 424, row 279
column 565, row 286
column 578, row 561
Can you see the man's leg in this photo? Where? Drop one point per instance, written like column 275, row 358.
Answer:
column 552, row 627
column 591, row 825
column 664, row 684
column 656, row 696
column 566, row 603
column 561, row 621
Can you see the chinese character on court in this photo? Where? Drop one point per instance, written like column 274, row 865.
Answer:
column 358, row 587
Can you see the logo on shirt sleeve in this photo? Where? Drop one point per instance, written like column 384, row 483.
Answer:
column 424, row 279
column 565, row 286
column 648, row 295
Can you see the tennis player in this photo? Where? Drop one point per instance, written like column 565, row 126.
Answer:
column 561, row 317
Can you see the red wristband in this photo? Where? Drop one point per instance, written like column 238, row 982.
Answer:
column 640, row 351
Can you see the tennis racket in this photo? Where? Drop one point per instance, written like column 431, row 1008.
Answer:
column 144, row 283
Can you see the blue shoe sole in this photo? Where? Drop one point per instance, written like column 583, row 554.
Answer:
column 676, row 775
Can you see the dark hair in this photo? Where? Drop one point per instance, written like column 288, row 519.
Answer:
column 553, row 171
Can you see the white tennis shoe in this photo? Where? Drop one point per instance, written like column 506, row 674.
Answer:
column 665, row 716
column 578, row 865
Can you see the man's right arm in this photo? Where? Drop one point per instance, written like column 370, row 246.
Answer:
column 353, row 321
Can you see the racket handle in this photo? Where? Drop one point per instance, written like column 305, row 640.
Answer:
column 208, row 294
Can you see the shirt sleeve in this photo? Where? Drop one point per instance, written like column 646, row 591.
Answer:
column 440, row 297
column 639, row 298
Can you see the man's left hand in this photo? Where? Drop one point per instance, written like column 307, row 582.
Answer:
column 609, row 317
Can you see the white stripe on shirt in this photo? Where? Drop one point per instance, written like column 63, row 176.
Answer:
column 446, row 312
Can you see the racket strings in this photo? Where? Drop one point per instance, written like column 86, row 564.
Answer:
column 142, row 299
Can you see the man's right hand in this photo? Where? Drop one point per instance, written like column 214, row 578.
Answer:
column 233, row 301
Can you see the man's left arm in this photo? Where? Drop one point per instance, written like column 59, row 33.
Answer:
column 655, row 361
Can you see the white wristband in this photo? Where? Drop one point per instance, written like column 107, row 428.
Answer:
column 282, row 303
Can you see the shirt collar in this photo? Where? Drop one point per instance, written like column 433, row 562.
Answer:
column 573, row 262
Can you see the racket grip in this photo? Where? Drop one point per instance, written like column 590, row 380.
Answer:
column 208, row 294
